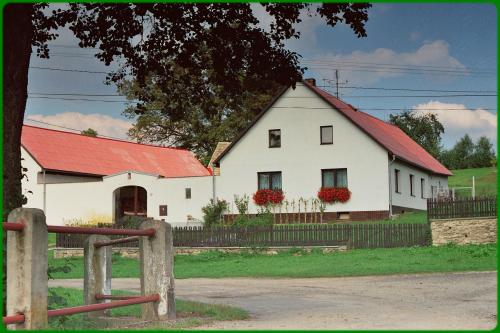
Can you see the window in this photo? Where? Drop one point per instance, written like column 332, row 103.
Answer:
column 334, row 178
column 188, row 193
column 274, row 138
column 396, row 180
column 269, row 180
column 326, row 135
column 412, row 185
column 422, row 188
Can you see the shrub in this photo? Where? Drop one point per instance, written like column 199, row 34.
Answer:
column 261, row 220
column 242, row 204
column 212, row 213
column 334, row 194
column 130, row 222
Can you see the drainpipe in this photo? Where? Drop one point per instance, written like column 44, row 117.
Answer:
column 390, row 185
column 44, row 194
column 214, row 194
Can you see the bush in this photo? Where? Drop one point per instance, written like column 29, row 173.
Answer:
column 261, row 220
column 130, row 222
column 212, row 213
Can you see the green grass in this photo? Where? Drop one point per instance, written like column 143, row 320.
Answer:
column 485, row 179
column 191, row 313
column 52, row 239
column 298, row 264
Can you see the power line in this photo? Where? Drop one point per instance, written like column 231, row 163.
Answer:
column 68, row 70
column 421, row 96
column 81, row 99
column 76, row 130
column 76, row 94
column 410, row 89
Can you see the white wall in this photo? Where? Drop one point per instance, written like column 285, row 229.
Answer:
column 69, row 201
column 404, row 198
column 299, row 114
column 29, row 183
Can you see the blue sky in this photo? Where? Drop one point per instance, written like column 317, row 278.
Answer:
column 437, row 47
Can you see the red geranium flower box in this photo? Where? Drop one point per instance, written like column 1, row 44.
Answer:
column 266, row 197
column 334, row 194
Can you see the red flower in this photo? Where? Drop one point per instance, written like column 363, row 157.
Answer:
column 266, row 197
column 334, row 194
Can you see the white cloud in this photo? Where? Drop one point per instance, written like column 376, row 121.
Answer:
column 434, row 53
column 415, row 35
column 103, row 124
column 458, row 120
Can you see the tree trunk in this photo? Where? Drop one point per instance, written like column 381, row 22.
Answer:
column 17, row 36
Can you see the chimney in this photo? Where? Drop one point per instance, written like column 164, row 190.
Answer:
column 311, row 81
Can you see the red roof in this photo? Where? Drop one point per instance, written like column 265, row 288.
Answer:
column 387, row 135
column 75, row 153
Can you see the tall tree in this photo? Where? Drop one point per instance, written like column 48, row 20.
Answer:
column 424, row 128
column 217, row 116
column 148, row 38
column 464, row 150
column 484, row 155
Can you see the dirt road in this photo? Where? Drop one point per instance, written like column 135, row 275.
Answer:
column 419, row 301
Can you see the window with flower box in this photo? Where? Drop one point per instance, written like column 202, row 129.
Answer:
column 334, row 178
column 269, row 180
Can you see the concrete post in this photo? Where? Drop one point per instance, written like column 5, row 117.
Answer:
column 27, row 282
column 97, row 272
column 157, row 270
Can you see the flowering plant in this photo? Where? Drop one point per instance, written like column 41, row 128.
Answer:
column 334, row 194
column 266, row 197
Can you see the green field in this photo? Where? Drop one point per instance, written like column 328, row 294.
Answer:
column 299, row 264
column 485, row 179
column 191, row 313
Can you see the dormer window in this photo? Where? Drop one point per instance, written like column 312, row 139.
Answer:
column 274, row 138
column 326, row 135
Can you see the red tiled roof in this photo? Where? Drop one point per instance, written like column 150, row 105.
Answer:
column 387, row 135
column 76, row 153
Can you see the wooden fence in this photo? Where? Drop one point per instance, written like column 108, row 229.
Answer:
column 462, row 208
column 352, row 235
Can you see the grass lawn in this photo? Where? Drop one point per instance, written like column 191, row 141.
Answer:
column 485, row 178
column 298, row 264
column 192, row 313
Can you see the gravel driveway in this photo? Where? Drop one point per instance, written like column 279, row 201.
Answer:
column 417, row 301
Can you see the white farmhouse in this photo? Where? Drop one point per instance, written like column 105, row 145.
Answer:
column 304, row 140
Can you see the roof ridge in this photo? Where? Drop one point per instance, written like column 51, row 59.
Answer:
column 104, row 138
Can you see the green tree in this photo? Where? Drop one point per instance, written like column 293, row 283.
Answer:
column 150, row 37
column 425, row 129
column 463, row 151
column 90, row 132
column 171, row 119
column 483, row 155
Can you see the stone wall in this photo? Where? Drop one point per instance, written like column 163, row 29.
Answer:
column 464, row 231
column 129, row 252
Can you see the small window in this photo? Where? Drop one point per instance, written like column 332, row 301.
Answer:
column 188, row 193
column 412, row 185
column 396, row 180
column 269, row 180
column 422, row 188
column 326, row 135
column 334, row 178
column 274, row 138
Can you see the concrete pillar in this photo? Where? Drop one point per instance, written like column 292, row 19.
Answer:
column 157, row 270
column 97, row 272
column 27, row 281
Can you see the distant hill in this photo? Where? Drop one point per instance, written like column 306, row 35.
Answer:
column 485, row 178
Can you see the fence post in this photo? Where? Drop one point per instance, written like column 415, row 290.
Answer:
column 97, row 272
column 27, row 284
column 157, row 270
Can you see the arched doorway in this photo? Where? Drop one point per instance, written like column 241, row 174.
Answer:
column 130, row 201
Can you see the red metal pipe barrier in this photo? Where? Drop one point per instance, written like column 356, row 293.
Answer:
column 100, row 231
column 12, row 226
column 19, row 318
column 116, row 241
column 103, row 306
column 118, row 297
